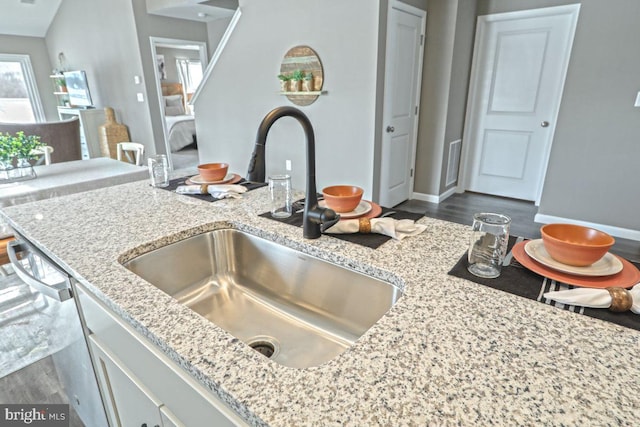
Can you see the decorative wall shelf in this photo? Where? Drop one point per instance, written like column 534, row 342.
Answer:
column 305, row 93
column 303, row 59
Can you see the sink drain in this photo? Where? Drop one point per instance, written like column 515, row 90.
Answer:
column 266, row 346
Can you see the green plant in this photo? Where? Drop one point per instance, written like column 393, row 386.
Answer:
column 6, row 152
column 61, row 83
column 297, row 75
column 284, row 77
column 308, row 76
column 18, row 145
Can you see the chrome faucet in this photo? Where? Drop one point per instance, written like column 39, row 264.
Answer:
column 315, row 219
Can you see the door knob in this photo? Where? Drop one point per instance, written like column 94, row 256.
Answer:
column 544, row 124
column 390, row 129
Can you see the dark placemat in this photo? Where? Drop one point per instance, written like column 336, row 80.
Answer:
column 372, row 240
column 174, row 183
column 517, row 280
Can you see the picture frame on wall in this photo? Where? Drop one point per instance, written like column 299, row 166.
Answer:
column 162, row 71
column 78, row 88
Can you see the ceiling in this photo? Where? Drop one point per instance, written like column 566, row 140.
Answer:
column 33, row 17
column 194, row 10
column 27, row 17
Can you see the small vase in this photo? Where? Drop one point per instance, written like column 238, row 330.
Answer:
column 284, row 85
column 307, row 85
column 296, row 85
column 5, row 169
column 23, row 167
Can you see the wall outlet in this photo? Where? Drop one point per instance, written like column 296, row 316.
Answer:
column 287, row 165
column 140, row 97
column 637, row 104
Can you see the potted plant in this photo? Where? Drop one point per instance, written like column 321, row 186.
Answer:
column 20, row 146
column 307, row 83
column 23, row 145
column 6, row 155
column 296, row 80
column 61, row 83
column 284, row 82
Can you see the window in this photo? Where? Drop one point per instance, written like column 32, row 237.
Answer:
column 19, row 99
column 190, row 73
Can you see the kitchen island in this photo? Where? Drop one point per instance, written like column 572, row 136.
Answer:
column 449, row 352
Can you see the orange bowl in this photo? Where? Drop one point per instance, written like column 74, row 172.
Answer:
column 213, row 171
column 342, row 198
column 574, row 244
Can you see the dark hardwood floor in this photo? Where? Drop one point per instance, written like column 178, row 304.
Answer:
column 460, row 208
column 36, row 384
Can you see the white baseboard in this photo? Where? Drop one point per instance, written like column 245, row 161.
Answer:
column 432, row 198
column 625, row 233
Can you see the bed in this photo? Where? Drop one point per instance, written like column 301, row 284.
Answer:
column 181, row 127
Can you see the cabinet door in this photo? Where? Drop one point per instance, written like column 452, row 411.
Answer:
column 187, row 402
column 129, row 402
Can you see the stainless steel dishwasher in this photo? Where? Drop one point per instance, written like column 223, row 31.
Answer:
column 40, row 318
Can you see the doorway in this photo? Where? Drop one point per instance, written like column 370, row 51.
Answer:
column 519, row 66
column 179, row 69
column 403, row 76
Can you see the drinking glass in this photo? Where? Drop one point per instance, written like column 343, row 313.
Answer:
column 280, row 194
column 159, row 170
column 488, row 244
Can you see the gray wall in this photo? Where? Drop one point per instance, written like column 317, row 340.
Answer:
column 112, row 55
column 104, row 44
column 36, row 49
column 243, row 88
column 159, row 26
column 170, row 55
column 215, row 31
column 447, row 64
column 436, row 81
column 486, row 7
column 459, row 83
column 383, row 17
column 592, row 172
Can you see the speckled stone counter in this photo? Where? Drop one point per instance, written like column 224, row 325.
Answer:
column 449, row 352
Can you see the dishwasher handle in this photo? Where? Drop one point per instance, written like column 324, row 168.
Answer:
column 59, row 291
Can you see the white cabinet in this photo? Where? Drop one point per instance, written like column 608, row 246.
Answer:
column 133, row 373
column 90, row 120
column 127, row 401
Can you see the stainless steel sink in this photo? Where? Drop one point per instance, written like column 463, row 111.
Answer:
column 298, row 310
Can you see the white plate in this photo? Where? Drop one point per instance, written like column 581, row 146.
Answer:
column 198, row 179
column 605, row 266
column 362, row 208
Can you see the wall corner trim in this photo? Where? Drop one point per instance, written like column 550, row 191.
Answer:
column 216, row 55
column 434, row 198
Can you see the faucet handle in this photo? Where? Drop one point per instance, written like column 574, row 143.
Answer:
column 328, row 219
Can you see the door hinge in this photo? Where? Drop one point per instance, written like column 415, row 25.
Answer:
column 421, row 39
column 411, row 173
column 416, row 113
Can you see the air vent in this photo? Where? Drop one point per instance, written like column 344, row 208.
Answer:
column 28, row 1
column 453, row 162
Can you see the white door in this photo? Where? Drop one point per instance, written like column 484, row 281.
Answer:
column 519, row 67
column 403, row 75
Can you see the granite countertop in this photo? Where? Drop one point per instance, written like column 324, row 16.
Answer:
column 449, row 352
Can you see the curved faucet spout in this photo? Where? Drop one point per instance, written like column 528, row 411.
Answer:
column 314, row 216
